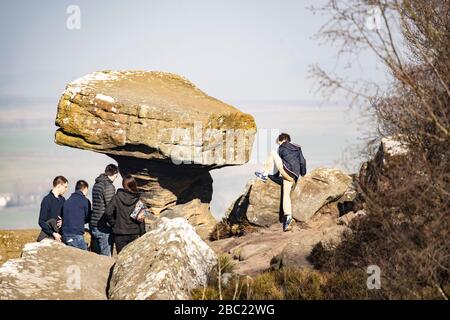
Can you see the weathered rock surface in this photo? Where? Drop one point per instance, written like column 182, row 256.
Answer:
column 272, row 248
column 198, row 215
column 249, row 250
column 261, row 202
column 159, row 127
column 141, row 114
column 49, row 270
column 374, row 173
column 165, row 263
column 317, row 188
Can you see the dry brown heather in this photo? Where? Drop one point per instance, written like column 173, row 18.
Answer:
column 13, row 241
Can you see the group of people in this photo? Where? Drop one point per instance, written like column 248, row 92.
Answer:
column 110, row 217
column 113, row 219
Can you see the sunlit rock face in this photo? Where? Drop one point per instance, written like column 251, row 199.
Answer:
column 159, row 127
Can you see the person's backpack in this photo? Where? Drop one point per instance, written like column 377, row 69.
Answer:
column 302, row 162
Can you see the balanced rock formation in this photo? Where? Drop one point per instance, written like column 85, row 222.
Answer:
column 261, row 204
column 52, row 270
column 159, row 127
column 165, row 263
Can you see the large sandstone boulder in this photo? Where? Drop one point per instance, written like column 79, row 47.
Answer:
column 198, row 215
column 52, row 270
column 165, row 263
column 159, row 127
column 317, row 188
column 261, row 202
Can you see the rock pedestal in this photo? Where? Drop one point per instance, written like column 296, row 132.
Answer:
column 159, row 127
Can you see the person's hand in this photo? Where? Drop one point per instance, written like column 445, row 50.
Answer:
column 140, row 216
column 57, row 236
column 59, row 222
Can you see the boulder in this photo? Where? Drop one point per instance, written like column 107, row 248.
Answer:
column 374, row 174
column 261, row 205
column 52, row 270
column 317, row 188
column 165, row 263
column 247, row 251
column 159, row 127
column 264, row 203
column 347, row 218
column 198, row 215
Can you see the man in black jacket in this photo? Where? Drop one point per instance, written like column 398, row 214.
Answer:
column 288, row 163
column 51, row 210
column 102, row 193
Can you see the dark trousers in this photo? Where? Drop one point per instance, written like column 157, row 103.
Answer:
column 121, row 240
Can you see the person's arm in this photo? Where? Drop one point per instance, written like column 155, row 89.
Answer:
column 44, row 216
column 88, row 211
column 109, row 212
column 108, row 193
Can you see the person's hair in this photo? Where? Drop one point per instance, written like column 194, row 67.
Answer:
column 111, row 169
column 81, row 184
column 59, row 180
column 284, row 136
column 129, row 184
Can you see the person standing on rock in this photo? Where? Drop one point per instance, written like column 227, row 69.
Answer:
column 118, row 212
column 290, row 164
column 76, row 213
column 102, row 193
column 51, row 210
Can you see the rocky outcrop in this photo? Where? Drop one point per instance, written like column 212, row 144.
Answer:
column 165, row 263
column 374, row 174
column 52, row 270
column 198, row 215
column 159, row 127
column 261, row 203
column 319, row 187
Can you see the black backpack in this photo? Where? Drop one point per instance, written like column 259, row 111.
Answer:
column 302, row 162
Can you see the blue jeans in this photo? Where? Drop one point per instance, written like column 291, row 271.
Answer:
column 102, row 240
column 75, row 240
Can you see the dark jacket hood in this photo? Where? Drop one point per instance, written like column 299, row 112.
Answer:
column 102, row 177
column 127, row 198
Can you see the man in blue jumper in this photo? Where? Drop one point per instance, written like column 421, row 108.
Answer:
column 51, row 210
column 76, row 213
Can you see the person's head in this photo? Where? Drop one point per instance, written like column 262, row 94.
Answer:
column 111, row 172
column 82, row 186
column 129, row 184
column 60, row 185
column 283, row 137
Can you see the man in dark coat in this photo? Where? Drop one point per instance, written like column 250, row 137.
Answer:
column 288, row 162
column 102, row 193
column 51, row 210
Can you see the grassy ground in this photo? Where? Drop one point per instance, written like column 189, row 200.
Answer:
column 13, row 241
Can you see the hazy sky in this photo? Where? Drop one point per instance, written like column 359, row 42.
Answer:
column 233, row 50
